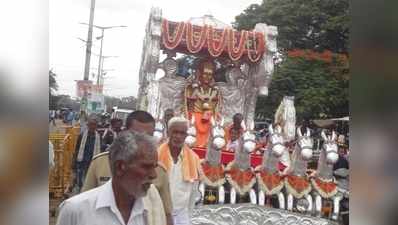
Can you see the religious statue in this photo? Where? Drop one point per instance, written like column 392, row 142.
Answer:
column 167, row 92
column 202, row 101
column 171, row 87
column 232, row 93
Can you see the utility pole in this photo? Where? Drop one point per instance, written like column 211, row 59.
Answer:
column 89, row 41
column 102, row 28
column 100, row 58
column 84, row 101
column 101, row 82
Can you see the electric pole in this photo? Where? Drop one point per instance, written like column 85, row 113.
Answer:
column 84, row 101
column 101, row 81
column 102, row 28
column 100, row 58
column 89, row 41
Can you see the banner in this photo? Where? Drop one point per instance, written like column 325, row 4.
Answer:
column 88, row 86
column 83, row 86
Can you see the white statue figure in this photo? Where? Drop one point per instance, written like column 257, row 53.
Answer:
column 262, row 73
column 190, row 140
column 324, row 183
column 211, row 169
column 232, row 93
column 259, row 75
column 297, row 183
column 285, row 115
column 152, row 96
column 269, row 178
column 171, row 88
column 150, row 60
column 240, row 174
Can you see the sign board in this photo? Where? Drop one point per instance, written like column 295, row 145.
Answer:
column 83, row 86
column 96, row 103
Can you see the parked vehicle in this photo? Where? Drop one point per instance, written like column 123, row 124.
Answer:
column 121, row 113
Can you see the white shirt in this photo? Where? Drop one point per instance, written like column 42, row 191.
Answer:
column 181, row 190
column 98, row 207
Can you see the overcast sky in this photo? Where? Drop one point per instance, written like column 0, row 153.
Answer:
column 67, row 52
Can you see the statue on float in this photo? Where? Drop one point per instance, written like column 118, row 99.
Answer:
column 233, row 92
column 324, row 183
column 202, row 101
column 211, row 168
column 285, row 116
column 166, row 92
column 239, row 173
column 297, row 182
column 269, row 177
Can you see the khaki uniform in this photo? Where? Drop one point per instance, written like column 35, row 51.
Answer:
column 99, row 173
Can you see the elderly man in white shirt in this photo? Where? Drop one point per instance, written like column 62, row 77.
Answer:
column 129, row 197
column 182, row 166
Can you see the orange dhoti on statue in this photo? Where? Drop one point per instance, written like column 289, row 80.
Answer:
column 203, row 126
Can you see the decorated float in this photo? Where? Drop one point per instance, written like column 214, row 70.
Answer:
column 243, row 59
column 228, row 71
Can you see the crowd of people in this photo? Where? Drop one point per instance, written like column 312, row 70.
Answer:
column 129, row 177
column 124, row 175
column 66, row 115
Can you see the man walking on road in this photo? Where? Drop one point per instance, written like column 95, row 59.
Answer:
column 129, row 198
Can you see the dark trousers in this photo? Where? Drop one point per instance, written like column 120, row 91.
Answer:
column 81, row 171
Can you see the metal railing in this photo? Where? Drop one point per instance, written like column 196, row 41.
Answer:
column 61, row 175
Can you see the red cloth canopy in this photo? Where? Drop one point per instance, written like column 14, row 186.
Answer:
column 206, row 40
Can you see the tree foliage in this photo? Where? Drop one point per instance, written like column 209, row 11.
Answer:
column 320, row 87
column 65, row 101
column 302, row 24
column 313, row 41
column 53, row 86
column 52, row 82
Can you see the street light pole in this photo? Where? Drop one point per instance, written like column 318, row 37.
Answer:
column 84, row 101
column 102, row 39
column 89, row 44
column 102, row 68
column 89, row 41
column 100, row 59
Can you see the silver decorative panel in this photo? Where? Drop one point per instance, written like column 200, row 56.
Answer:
column 249, row 214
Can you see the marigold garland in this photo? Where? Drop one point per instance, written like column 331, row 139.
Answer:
column 213, row 50
column 258, row 48
column 191, row 46
column 215, row 47
column 172, row 41
column 235, row 53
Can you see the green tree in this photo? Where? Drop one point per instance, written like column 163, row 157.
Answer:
column 302, row 24
column 65, row 101
column 319, row 88
column 53, row 86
